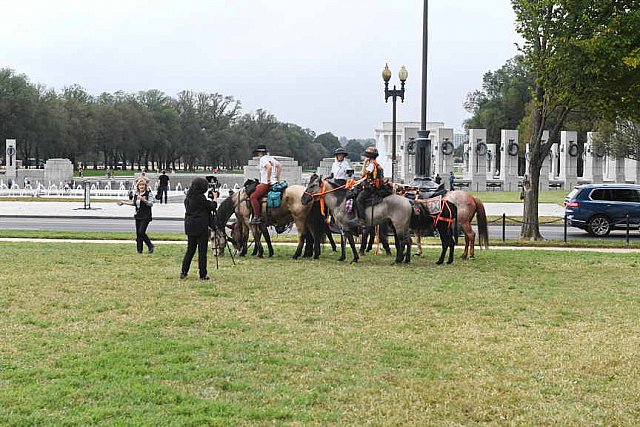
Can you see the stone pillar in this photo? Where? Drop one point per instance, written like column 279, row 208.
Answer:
column 554, row 157
column 57, row 171
column 632, row 170
column 619, row 166
column 593, row 163
column 568, row 172
column 478, row 159
column 544, row 169
column 10, row 163
column 325, row 166
column 466, row 171
column 509, row 159
column 443, row 151
column 491, row 160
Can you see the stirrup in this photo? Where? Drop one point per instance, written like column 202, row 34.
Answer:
column 256, row 220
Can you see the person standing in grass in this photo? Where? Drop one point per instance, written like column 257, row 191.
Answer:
column 197, row 217
column 142, row 200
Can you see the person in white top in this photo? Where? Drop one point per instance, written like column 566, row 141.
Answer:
column 270, row 171
column 341, row 168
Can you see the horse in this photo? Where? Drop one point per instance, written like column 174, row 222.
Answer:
column 468, row 206
column 393, row 208
column 440, row 214
column 291, row 210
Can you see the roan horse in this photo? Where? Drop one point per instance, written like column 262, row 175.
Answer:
column 468, row 206
column 291, row 210
column 393, row 208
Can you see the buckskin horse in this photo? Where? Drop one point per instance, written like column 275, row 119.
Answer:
column 393, row 208
column 291, row 210
column 468, row 206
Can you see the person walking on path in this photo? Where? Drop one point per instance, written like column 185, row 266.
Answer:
column 197, row 217
column 163, row 187
column 452, row 180
column 142, row 200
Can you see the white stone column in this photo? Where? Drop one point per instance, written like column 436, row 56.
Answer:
column 466, row 171
column 568, row 172
column 478, row 159
column 443, row 151
column 10, row 163
column 632, row 170
column 509, row 159
column 619, row 163
column 544, row 168
column 592, row 170
column 491, row 160
column 554, row 156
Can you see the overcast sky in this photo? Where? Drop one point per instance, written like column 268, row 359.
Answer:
column 313, row 63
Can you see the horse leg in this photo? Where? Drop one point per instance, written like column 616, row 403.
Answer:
column 352, row 243
column 334, row 248
column 452, row 243
column 267, row 239
column 407, row 255
column 418, row 243
column 469, row 236
column 444, row 244
column 343, row 243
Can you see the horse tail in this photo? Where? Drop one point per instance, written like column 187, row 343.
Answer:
column 483, row 230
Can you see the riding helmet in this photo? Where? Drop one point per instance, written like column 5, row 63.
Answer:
column 371, row 152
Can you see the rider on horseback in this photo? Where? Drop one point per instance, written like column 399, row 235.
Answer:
column 372, row 174
column 270, row 170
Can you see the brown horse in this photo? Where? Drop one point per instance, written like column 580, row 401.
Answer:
column 291, row 210
column 468, row 206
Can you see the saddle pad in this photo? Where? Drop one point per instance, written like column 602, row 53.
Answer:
column 434, row 205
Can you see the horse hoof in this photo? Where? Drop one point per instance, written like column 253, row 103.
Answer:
column 341, row 259
column 439, row 262
column 418, row 254
column 450, row 262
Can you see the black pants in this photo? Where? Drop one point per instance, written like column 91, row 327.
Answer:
column 162, row 191
column 369, row 235
column 201, row 241
column 141, row 234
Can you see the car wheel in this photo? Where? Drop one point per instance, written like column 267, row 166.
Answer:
column 599, row 226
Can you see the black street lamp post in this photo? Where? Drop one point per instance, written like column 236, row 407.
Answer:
column 394, row 94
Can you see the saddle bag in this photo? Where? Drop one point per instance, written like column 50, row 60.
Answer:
column 274, row 196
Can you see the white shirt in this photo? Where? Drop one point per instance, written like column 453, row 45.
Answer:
column 262, row 166
column 339, row 169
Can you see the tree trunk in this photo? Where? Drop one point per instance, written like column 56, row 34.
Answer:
column 530, row 190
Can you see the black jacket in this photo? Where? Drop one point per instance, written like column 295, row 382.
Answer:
column 197, row 215
column 144, row 211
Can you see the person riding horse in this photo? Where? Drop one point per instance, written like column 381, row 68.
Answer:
column 341, row 168
column 372, row 183
column 270, row 170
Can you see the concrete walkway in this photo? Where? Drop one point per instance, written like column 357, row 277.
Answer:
column 175, row 211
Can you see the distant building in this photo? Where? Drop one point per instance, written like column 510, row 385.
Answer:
column 405, row 131
column 459, row 139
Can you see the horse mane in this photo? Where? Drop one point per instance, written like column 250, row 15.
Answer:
column 224, row 212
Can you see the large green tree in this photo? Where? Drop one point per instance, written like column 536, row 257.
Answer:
column 580, row 54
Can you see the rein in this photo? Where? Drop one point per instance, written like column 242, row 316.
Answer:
column 438, row 218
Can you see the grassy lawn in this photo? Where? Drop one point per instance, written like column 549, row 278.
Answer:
column 95, row 334
column 556, row 197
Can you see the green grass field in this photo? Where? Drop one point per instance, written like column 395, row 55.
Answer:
column 94, row 334
column 556, row 197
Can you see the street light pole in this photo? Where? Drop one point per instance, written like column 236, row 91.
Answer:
column 394, row 94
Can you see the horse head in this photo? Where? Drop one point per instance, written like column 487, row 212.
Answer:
column 314, row 187
column 218, row 241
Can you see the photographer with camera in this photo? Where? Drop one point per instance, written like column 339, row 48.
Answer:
column 197, row 219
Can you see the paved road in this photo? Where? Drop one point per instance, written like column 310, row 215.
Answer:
column 176, row 226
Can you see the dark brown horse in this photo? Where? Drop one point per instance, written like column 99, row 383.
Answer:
column 436, row 214
column 468, row 206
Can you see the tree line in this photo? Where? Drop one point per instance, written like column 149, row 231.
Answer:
column 149, row 129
